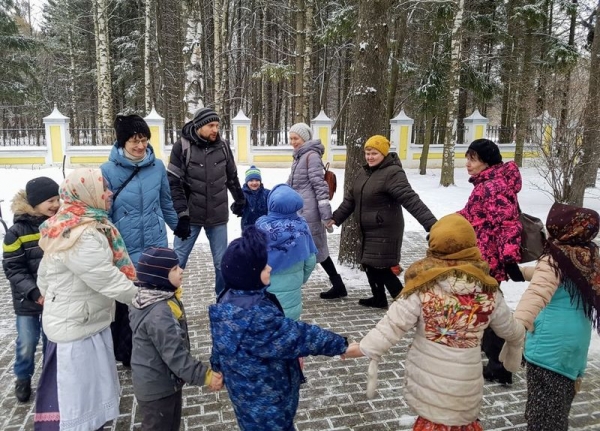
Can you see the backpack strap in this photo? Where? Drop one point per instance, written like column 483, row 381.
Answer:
column 120, row 189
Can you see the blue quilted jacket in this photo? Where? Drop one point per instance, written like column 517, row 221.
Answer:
column 144, row 205
column 257, row 350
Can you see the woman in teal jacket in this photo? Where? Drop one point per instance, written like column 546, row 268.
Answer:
column 559, row 309
column 292, row 251
column 141, row 206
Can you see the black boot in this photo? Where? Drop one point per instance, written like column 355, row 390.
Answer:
column 338, row 289
column 495, row 372
column 23, row 390
column 378, row 300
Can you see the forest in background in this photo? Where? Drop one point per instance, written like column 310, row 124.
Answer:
column 282, row 61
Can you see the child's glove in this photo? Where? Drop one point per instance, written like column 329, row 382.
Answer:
column 238, row 208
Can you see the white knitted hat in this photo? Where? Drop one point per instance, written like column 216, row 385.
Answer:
column 303, row 130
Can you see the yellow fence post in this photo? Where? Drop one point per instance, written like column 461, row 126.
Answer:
column 321, row 128
column 241, row 139
column 543, row 131
column 156, row 123
column 475, row 126
column 401, row 127
column 57, row 135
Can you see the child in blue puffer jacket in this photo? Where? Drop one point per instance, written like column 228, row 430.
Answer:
column 292, row 251
column 255, row 346
column 256, row 197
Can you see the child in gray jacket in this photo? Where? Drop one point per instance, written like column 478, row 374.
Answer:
column 161, row 362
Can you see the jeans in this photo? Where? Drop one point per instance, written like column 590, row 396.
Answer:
column 29, row 329
column 217, row 238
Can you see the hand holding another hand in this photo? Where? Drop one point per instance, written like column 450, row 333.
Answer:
column 353, row 351
column 183, row 229
column 216, row 381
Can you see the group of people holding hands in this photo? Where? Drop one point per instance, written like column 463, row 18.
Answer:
column 100, row 239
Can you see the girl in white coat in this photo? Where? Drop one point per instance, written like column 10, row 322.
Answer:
column 84, row 270
column 450, row 298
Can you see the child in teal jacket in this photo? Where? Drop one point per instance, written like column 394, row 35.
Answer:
column 559, row 309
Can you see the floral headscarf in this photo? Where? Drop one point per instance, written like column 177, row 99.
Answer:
column 84, row 204
column 571, row 231
column 452, row 251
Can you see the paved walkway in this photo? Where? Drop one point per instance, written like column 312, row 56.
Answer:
column 334, row 397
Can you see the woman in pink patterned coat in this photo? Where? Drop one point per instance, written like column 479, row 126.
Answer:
column 493, row 211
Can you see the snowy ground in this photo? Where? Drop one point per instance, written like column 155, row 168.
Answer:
column 534, row 199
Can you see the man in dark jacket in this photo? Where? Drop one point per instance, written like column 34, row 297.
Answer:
column 201, row 170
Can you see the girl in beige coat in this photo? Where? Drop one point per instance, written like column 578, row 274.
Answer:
column 451, row 299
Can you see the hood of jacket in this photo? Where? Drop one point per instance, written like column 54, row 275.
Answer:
column 284, row 200
column 117, row 157
column 23, row 211
column 389, row 160
column 244, row 321
column 507, row 172
column 312, row 145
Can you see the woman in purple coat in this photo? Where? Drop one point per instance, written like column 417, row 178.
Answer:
column 493, row 211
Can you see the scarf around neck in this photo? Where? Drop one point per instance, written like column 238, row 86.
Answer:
column 452, row 251
column 570, row 243
column 84, row 204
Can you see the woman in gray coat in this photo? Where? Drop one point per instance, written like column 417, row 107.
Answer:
column 379, row 192
column 307, row 178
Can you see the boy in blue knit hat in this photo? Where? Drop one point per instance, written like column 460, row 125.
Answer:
column 161, row 362
column 255, row 346
column 256, row 197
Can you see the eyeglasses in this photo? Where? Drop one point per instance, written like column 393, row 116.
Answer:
column 137, row 141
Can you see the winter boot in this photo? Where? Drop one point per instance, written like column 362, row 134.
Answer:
column 338, row 289
column 495, row 372
column 23, row 390
column 378, row 300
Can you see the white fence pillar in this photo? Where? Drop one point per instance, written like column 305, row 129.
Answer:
column 543, row 130
column 401, row 127
column 156, row 123
column 57, row 136
column 321, row 128
column 475, row 126
column 241, row 138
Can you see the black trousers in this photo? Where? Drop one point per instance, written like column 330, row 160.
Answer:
column 381, row 279
column 163, row 414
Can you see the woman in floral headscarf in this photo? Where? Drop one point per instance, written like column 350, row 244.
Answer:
column 451, row 298
column 559, row 309
column 84, row 270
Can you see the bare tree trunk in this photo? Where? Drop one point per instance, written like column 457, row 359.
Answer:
column 523, row 118
column 587, row 170
column 192, row 60
column 299, row 61
column 148, row 102
column 218, row 11
column 447, row 175
column 103, row 71
column 73, row 88
column 307, row 75
column 367, row 95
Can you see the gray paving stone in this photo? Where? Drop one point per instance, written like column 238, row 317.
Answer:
column 334, row 397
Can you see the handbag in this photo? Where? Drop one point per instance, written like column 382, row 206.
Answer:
column 533, row 237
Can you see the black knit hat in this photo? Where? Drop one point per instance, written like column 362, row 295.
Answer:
column 203, row 116
column 154, row 266
column 244, row 260
column 486, row 151
column 127, row 126
column 40, row 189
